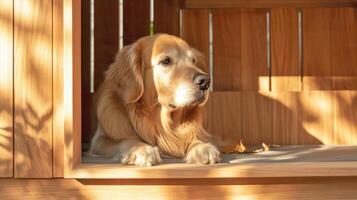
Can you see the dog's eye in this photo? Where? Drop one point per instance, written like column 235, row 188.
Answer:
column 193, row 60
column 166, row 61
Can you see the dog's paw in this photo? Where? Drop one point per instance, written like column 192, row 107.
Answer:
column 142, row 155
column 204, row 153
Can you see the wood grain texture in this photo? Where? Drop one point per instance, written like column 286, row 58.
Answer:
column 255, row 72
column 257, row 118
column 58, row 90
column 33, row 91
column 285, row 69
column 344, row 48
column 6, row 88
column 307, row 188
column 195, row 31
column 317, row 55
column 317, row 117
column 227, row 55
column 345, row 117
column 227, row 117
column 287, row 118
column 167, row 16
column 72, row 86
column 136, row 20
column 268, row 3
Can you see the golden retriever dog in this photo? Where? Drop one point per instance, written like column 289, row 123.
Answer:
column 149, row 104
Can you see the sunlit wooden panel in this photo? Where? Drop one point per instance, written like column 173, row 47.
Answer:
column 257, row 117
column 345, row 117
column 227, row 117
column 58, row 120
column 195, row 31
column 227, row 68
column 344, row 48
column 317, row 55
column 33, row 88
column 255, row 72
column 285, row 69
column 240, row 49
column 6, row 88
column 317, row 117
column 287, row 122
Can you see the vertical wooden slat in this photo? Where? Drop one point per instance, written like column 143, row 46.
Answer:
column 240, row 50
column 344, row 48
column 6, row 88
column 287, row 114
column 255, row 72
column 58, row 120
column 106, row 37
column 257, row 114
column 227, row 54
column 286, row 74
column 33, row 91
column 167, row 16
column 317, row 117
column 345, row 117
column 136, row 20
column 195, row 31
column 317, row 49
column 227, row 117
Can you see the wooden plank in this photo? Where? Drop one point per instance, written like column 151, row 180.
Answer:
column 106, row 37
column 255, row 72
column 240, row 50
column 287, row 114
column 33, row 90
column 286, row 72
column 195, row 31
column 6, row 88
column 227, row 55
column 257, row 118
column 224, row 170
column 136, row 19
column 345, row 116
column 227, row 117
column 268, row 3
column 306, row 188
column 316, row 28
column 167, row 16
column 343, row 47
column 58, row 120
column 72, row 86
column 317, row 117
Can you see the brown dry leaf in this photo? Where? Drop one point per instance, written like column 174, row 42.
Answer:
column 241, row 148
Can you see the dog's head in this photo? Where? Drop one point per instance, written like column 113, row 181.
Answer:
column 161, row 67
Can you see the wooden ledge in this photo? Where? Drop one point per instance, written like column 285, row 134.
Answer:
column 268, row 3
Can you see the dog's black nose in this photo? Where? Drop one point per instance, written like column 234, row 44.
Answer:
column 202, row 80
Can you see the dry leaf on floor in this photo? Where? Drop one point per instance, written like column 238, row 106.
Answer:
column 241, row 148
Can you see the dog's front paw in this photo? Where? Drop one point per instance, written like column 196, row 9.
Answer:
column 143, row 155
column 204, row 153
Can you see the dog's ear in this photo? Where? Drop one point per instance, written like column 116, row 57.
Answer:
column 126, row 73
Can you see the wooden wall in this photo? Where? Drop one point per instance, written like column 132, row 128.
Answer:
column 302, row 94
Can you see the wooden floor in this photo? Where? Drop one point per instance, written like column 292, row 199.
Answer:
column 302, row 189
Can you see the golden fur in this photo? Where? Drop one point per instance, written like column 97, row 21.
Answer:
column 146, row 108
